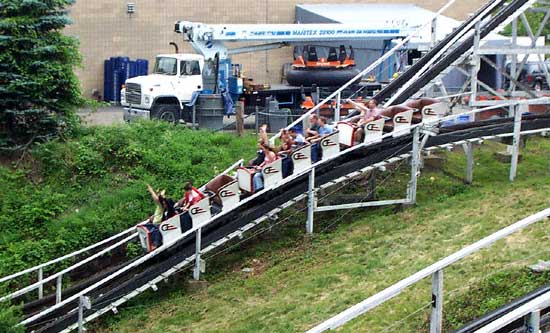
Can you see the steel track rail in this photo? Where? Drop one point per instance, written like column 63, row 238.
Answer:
column 496, row 129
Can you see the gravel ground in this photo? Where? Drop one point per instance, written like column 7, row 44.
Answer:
column 102, row 116
column 113, row 115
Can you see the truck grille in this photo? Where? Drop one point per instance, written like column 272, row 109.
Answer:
column 133, row 93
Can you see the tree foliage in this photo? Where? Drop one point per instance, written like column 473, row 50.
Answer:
column 38, row 88
column 535, row 19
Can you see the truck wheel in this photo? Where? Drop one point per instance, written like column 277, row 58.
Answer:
column 169, row 113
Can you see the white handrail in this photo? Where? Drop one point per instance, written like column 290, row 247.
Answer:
column 394, row 290
column 132, row 229
column 66, row 270
column 252, row 197
column 67, row 256
column 368, row 69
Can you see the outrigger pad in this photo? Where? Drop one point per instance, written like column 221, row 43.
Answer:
column 200, row 212
column 229, row 195
column 401, row 122
column 170, row 229
column 301, row 158
column 330, row 145
column 434, row 111
column 374, row 130
column 272, row 173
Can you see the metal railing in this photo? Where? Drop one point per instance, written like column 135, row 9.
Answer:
column 58, row 276
column 436, row 271
column 40, row 268
column 197, row 230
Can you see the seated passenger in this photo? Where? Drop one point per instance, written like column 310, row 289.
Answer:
column 324, row 129
column 165, row 206
column 259, row 155
column 286, row 142
column 371, row 113
column 191, row 196
column 270, row 156
column 297, row 138
column 163, row 211
column 313, row 131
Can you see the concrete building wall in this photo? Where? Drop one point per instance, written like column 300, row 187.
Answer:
column 105, row 29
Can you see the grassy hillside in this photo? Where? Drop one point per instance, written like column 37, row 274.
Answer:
column 298, row 281
column 68, row 194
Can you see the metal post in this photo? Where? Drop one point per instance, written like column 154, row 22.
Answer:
column 194, row 116
column 83, row 303
column 515, row 143
column 513, row 62
column 257, row 120
column 58, row 289
column 533, row 322
column 436, row 316
column 434, row 32
column 415, row 163
column 41, row 286
column 337, row 111
column 80, row 314
column 469, row 151
column 197, row 270
column 475, row 64
column 318, row 96
column 310, row 202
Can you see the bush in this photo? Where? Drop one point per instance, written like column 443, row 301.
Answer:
column 10, row 316
column 74, row 193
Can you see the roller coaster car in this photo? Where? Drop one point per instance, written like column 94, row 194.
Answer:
column 223, row 191
column 336, row 59
column 272, row 174
column 152, row 236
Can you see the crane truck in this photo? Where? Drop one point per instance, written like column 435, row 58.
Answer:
column 178, row 78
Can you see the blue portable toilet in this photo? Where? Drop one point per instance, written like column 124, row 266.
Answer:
column 142, row 67
column 116, row 70
column 107, row 81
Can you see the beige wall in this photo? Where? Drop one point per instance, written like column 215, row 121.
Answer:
column 105, row 29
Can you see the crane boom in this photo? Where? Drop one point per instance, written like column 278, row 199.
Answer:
column 209, row 39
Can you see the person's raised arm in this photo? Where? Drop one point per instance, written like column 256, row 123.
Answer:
column 153, row 194
column 357, row 105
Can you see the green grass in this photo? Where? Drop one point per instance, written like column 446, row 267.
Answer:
column 69, row 194
column 299, row 281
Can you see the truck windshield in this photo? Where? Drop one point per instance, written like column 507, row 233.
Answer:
column 167, row 66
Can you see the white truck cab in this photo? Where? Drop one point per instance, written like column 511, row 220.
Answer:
column 164, row 93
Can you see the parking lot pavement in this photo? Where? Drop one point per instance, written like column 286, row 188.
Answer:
column 112, row 115
column 108, row 115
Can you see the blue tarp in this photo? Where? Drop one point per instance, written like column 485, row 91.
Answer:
column 228, row 104
column 194, row 98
